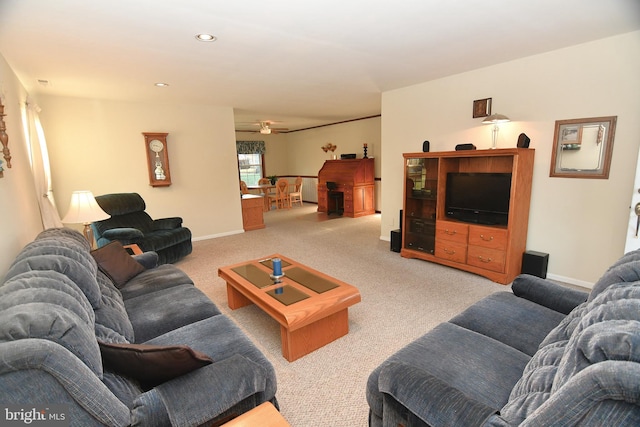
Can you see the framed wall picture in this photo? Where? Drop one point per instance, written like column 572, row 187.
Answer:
column 482, row 108
column 157, row 159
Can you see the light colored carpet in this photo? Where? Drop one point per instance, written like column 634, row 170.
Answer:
column 402, row 299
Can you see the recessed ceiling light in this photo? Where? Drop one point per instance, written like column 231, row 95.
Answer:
column 162, row 84
column 203, row 37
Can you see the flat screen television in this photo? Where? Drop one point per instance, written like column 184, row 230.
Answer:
column 481, row 198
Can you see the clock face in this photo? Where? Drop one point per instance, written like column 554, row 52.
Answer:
column 156, row 145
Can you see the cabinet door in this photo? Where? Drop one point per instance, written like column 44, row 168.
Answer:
column 421, row 186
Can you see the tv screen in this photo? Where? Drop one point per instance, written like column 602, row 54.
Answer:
column 481, row 198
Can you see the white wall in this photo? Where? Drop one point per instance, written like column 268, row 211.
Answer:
column 98, row 145
column 581, row 223
column 19, row 214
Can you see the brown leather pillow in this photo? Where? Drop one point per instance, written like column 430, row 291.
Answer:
column 151, row 364
column 114, row 261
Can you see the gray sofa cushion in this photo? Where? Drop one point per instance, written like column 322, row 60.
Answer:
column 162, row 311
column 154, row 280
column 112, row 313
column 59, row 246
column 518, row 313
column 628, row 271
column 220, row 339
column 65, row 233
column 465, row 360
column 50, row 280
column 74, row 270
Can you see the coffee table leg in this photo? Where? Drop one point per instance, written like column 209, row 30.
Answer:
column 302, row 341
column 235, row 299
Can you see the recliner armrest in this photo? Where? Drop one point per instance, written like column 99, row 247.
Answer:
column 201, row 395
column 148, row 259
column 167, row 223
column 548, row 294
column 124, row 234
column 432, row 400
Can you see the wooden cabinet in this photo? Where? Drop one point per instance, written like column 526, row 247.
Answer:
column 252, row 207
column 355, row 179
column 492, row 251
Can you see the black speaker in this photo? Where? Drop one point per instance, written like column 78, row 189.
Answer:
column 396, row 240
column 523, row 141
column 462, row 147
column 425, row 146
column 400, row 224
column 535, row 263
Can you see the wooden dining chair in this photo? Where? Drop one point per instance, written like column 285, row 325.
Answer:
column 266, row 193
column 296, row 195
column 281, row 198
column 243, row 187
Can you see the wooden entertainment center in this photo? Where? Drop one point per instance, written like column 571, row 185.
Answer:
column 492, row 251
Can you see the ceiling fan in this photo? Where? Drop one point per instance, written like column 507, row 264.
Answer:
column 265, row 127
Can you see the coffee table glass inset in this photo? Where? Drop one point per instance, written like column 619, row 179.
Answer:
column 311, row 307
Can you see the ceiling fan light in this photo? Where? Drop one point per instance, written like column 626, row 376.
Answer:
column 265, row 131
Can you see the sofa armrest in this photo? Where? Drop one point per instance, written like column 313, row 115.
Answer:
column 429, row 398
column 148, row 259
column 37, row 370
column 167, row 223
column 202, row 395
column 124, row 235
column 548, row 294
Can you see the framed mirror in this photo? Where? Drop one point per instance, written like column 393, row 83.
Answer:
column 582, row 147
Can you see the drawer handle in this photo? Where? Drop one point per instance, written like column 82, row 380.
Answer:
column 485, row 238
column 485, row 260
column 450, row 233
column 449, row 251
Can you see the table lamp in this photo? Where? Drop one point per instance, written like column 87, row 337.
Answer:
column 494, row 120
column 83, row 209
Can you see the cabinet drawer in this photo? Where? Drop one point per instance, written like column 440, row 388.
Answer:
column 452, row 231
column 489, row 259
column 453, row 251
column 488, row 237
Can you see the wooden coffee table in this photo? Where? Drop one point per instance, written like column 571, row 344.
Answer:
column 311, row 307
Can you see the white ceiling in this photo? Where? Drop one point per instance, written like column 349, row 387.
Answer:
column 300, row 63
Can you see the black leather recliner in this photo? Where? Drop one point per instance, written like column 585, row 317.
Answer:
column 130, row 224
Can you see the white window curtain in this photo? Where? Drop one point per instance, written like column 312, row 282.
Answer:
column 40, row 168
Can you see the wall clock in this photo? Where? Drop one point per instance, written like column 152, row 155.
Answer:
column 157, row 159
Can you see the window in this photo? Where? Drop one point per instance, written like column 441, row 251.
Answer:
column 250, row 168
column 250, row 161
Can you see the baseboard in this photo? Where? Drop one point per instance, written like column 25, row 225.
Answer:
column 215, row 236
column 570, row 281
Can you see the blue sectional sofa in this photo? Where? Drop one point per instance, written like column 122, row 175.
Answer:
column 113, row 340
column 541, row 355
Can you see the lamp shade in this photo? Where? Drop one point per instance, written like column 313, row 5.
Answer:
column 84, row 209
column 495, row 118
